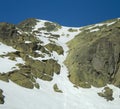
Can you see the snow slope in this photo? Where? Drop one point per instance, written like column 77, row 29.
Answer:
column 5, row 63
column 17, row 97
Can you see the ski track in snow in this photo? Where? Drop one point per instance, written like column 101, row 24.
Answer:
column 17, row 97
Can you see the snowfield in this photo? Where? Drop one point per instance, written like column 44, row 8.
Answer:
column 17, row 97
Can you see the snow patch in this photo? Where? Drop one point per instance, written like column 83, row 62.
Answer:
column 7, row 65
column 40, row 24
column 108, row 24
column 96, row 25
column 4, row 49
column 94, row 30
column 27, row 42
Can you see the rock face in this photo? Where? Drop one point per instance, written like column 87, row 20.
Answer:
column 27, row 25
column 94, row 55
column 29, row 48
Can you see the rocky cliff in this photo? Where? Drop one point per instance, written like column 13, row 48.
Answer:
column 94, row 55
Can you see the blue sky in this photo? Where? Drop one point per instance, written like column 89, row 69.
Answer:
column 65, row 12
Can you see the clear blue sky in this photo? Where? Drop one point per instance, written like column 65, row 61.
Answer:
column 65, row 12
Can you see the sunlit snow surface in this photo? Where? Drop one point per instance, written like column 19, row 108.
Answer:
column 17, row 97
column 5, row 49
column 5, row 63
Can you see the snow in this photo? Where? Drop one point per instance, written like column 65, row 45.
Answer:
column 96, row 25
column 17, row 97
column 43, row 38
column 40, row 24
column 27, row 42
column 108, row 24
column 94, row 30
column 19, row 32
column 4, row 49
column 5, row 63
column 99, row 25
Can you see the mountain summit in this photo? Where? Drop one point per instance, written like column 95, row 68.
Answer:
column 46, row 65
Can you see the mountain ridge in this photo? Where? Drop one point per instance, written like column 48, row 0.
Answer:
column 39, row 49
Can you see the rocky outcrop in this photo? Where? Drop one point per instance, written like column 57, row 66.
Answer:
column 94, row 55
column 56, row 89
column 27, row 25
column 107, row 93
column 29, row 47
column 1, row 97
column 53, row 47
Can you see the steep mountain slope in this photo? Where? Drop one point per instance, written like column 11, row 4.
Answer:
column 33, row 74
column 94, row 57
